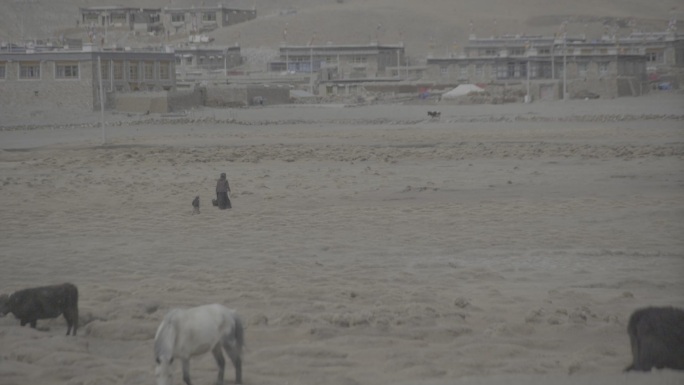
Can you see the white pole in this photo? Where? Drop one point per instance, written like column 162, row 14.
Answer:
column 99, row 77
column 565, row 69
column 528, row 97
column 553, row 59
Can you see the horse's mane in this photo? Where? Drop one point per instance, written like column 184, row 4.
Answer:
column 166, row 336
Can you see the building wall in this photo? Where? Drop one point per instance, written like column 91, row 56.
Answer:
column 47, row 91
column 78, row 85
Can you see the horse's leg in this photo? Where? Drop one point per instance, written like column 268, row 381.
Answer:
column 186, row 371
column 234, row 354
column 220, row 361
column 33, row 323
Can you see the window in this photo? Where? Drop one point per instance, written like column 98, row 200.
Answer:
column 209, row 16
column 29, row 70
column 603, row 68
column 501, row 71
column 105, row 69
column 490, row 52
column 149, row 70
column 544, row 70
column 534, row 70
column 2, row 71
column 544, row 51
column 66, row 71
column 133, row 72
column 582, row 69
column 510, row 70
column 463, row 72
column 118, row 18
column 164, row 70
column 517, row 51
column 444, row 71
column 479, row 70
column 118, row 70
column 359, row 60
column 177, row 18
column 653, row 56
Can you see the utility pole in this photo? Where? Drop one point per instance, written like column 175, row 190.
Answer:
column 102, row 122
column 565, row 61
column 565, row 68
column 528, row 97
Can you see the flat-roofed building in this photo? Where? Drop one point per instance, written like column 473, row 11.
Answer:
column 71, row 78
column 600, row 67
column 203, row 18
column 138, row 19
column 340, row 61
column 207, row 58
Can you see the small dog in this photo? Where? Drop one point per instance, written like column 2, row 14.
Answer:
column 196, row 205
column 434, row 114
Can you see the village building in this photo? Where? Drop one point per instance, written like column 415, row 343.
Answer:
column 341, row 69
column 340, row 61
column 202, row 19
column 134, row 19
column 546, row 67
column 173, row 21
column 61, row 78
column 206, row 60
column 607, row 67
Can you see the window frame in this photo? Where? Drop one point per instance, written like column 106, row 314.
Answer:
column 64, row 70
column 23, row 66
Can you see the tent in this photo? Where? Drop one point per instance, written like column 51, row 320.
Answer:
column 462, row 89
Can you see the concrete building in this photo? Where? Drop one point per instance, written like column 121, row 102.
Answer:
column 172, row 20
column 71, row 78
column 206, row 59
column 135, row 19
column 202, row 19
column 340, row 61
column 593, row 68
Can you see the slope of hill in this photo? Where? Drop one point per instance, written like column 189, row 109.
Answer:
column 428, row 26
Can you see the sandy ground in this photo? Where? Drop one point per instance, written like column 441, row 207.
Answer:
column 366, row 245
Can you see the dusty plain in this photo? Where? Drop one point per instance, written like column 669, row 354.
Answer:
column 366, row 245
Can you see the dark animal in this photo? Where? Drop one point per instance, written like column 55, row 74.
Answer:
column 657, row 338
column 196, row 205
column 30, row 305
column 434, row 114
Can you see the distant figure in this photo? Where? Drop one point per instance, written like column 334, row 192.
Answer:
column 657, row 338
column 434, row 114
column 222, row 190
column 196, row 205
column 30, row 305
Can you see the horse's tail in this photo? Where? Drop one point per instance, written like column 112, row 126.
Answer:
column 166, row 336
column 239, row 334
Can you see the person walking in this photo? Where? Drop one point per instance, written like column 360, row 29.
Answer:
column 222, row 190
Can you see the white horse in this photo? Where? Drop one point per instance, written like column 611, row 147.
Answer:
column 187, row 333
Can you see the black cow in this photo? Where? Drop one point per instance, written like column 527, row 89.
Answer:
column 30, row 305
column 657, row 338
column 434, row 114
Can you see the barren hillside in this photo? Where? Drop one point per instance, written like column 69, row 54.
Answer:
column 428, row 26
